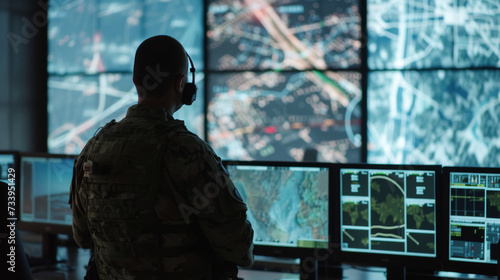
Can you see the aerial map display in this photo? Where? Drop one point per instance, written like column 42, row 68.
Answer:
column 284, row 115
column 446, row 117
column 474, row 216
column 283, row 34
column 287, row 206
column 418, row 34
column 388, row 211
column 91, row 53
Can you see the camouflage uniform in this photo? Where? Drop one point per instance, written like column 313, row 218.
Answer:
column 158, row 203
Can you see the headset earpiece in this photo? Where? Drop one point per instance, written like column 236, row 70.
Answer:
column 189, row 94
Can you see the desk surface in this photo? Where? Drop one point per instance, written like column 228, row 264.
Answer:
column 72, row 262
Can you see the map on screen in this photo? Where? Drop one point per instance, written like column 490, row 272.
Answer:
column 421, row 34
column 91, row 53
column 288, row 206
column 284, row 115
column 283, row 34
column 388, row 211
column 434, row 117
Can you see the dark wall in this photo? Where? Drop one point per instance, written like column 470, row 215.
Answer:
column 23, row 75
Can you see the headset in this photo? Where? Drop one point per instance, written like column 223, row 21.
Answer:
column 189, row 94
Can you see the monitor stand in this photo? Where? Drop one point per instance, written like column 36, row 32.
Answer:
column 308, row 269
column 396, row 273
column 49, row 247
column 49, row 251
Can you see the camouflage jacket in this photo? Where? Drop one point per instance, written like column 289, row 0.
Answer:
column 157, row 203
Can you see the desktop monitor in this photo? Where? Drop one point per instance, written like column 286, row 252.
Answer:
column 287, row 204
column 45, row 181
column 388, row 214
column 473, row 219
column 8, row 166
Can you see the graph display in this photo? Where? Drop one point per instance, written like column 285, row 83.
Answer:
column 283, row 115
column 420, row 34
column 283, row 34
column 45, row 185
column 434, row 117
column 92, row 46
column 287, row 206
column 474, row 216
column 388, row 211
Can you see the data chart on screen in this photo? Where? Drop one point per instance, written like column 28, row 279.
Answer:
column 474, row 228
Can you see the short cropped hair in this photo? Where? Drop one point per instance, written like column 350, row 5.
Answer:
column 159, row 60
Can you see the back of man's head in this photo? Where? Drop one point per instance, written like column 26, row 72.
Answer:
column 159, row 60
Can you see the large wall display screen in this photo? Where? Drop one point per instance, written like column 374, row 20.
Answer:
column 419, row 34
column 285, row 115
column 283, row 34
column 91, row 47
column 446, row 117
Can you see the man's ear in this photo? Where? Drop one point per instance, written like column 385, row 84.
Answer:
column 180, row 82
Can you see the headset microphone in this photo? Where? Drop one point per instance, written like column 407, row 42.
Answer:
column 189, row 94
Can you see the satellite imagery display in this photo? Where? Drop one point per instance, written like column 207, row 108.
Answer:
column 385, row 219
column 418, row 34
column 283, row 34
column 286, row 206
column 445, row 117
column 282, row 115
column 91, row 53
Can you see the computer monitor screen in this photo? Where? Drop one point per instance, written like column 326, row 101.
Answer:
column 287, row 203
column 8, row 167
column 283, row 34
column 91, row 49
column 444, row 117
column 432, row 34
column 45, row 184
column 388, row 210
column 280, row 116
column 474, row 215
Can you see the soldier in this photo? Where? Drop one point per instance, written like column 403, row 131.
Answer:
column 151, row 198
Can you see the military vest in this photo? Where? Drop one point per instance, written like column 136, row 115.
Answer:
column 122, row 178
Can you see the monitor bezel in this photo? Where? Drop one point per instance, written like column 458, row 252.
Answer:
column 390, row 260
column 455, row 265
column 322, row 254
column 41, row 227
